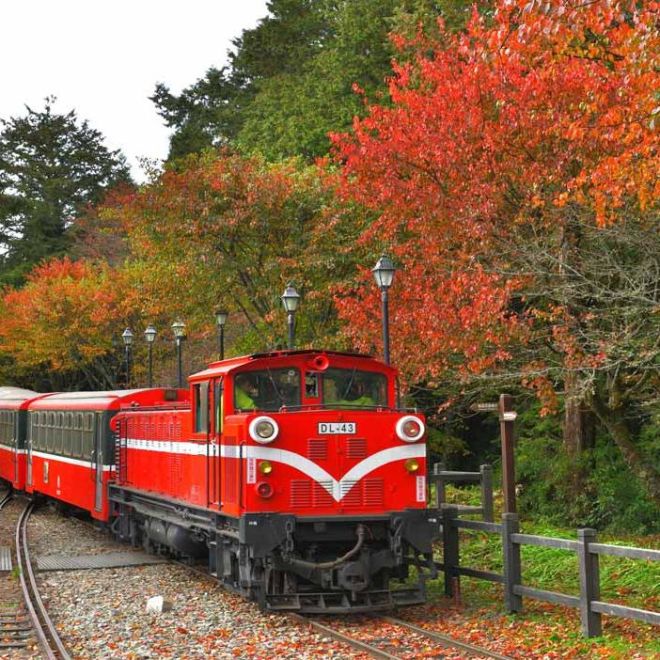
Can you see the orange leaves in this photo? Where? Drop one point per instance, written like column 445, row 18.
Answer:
column 66, row 313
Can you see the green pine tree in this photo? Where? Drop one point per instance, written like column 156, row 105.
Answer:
column 51, row 167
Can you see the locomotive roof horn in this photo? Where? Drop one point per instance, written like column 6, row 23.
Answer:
column 319, row 363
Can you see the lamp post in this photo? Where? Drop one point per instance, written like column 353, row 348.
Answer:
column 291, row 300
column 384, row 274
column 221, row 319
column 127, row 336
column 179, row 330
column 150, row 336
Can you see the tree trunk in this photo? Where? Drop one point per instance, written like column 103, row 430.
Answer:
column 578, row 429
column 615, row 423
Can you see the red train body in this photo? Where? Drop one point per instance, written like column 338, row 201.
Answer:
column 294, row 473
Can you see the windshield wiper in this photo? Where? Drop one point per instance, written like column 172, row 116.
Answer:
column 272, row 380
column 350, row 383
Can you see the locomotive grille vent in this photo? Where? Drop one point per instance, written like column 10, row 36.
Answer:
column 306, row 493
column 368, row 492
column 356, row 447
column 317, row 448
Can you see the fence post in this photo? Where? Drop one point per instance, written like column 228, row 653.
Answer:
column 507, row 417
column 450, row 546
column 589, row 583
column 438, row 468
column 487, row 492
column 511, row 556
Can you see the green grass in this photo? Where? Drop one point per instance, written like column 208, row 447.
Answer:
column 631, row 582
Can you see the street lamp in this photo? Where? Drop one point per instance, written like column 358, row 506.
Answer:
column 291, row 300
column 127, row 336
column 384, row 274
column 179, row 330
column 150, row 336
column 221, row 319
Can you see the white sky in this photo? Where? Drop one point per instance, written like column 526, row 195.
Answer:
column 103, row 58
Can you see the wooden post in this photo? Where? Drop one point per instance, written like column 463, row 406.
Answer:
column 507, row 417
column 450, row 546
column 487, row 492
column 512, row 568
column 589, row 584
column 438, row 468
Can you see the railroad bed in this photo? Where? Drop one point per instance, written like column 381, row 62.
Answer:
column 17, row 636
column 101, row 612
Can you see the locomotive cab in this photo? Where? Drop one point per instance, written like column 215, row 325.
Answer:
column 327, row 476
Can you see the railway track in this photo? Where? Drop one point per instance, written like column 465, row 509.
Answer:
column 382, row 644
column 23, row 616
column 377, row 636
column 386, row 647
column 15, row 628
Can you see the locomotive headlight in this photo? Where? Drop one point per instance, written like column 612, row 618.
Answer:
column 410, row 428
column 412, row 465
column 265, row 467
column 263, row 429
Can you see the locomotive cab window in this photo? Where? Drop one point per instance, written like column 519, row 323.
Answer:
column 353, row 388
column 201, row 398
column 267, row 390
column 312, row 385
column 218, row 391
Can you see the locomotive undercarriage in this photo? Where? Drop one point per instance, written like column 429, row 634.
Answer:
column 285, row 562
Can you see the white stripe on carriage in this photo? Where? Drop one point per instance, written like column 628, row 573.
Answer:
column 13, row 450
column 71, row 461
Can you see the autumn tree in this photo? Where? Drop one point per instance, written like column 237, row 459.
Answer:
column 58, row 328
column 231, row 231
column 534, row 128
column 51, row 167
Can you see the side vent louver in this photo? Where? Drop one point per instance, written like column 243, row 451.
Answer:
column 317, row 449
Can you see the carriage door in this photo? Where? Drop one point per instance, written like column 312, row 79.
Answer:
column 32, row 418
column 99, row 437
column 14, row 443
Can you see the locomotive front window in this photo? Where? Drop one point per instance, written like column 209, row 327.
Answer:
column 350, row 387
column 267, row 390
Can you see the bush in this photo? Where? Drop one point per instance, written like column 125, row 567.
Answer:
column 597, row 491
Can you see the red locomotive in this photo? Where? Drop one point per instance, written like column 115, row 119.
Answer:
column 294, row 473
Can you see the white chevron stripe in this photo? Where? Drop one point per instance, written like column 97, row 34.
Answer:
column 338, row 489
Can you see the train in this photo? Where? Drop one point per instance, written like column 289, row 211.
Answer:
column 295, row 475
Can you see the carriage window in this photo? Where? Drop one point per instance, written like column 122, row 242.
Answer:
column 87, row 442
column 350, row 387
column 201, row 397
column 59, row 433
column 267, row 390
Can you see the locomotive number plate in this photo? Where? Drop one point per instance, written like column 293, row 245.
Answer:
column 337, row 428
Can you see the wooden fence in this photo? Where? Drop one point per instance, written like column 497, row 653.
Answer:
column 588, row 553
column 441, row 477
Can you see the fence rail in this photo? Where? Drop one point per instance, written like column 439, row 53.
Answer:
column 587, row 550
column 441, row 477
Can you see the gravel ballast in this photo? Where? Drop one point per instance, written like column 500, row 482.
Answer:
column 101, row 613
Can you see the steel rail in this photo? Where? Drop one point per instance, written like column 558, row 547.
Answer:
column 53, row 649
column 300, row 619
column 445, row 640
column 5, row 499
column 327, row 631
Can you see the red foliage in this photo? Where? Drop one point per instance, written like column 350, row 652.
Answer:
column 499, row 129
